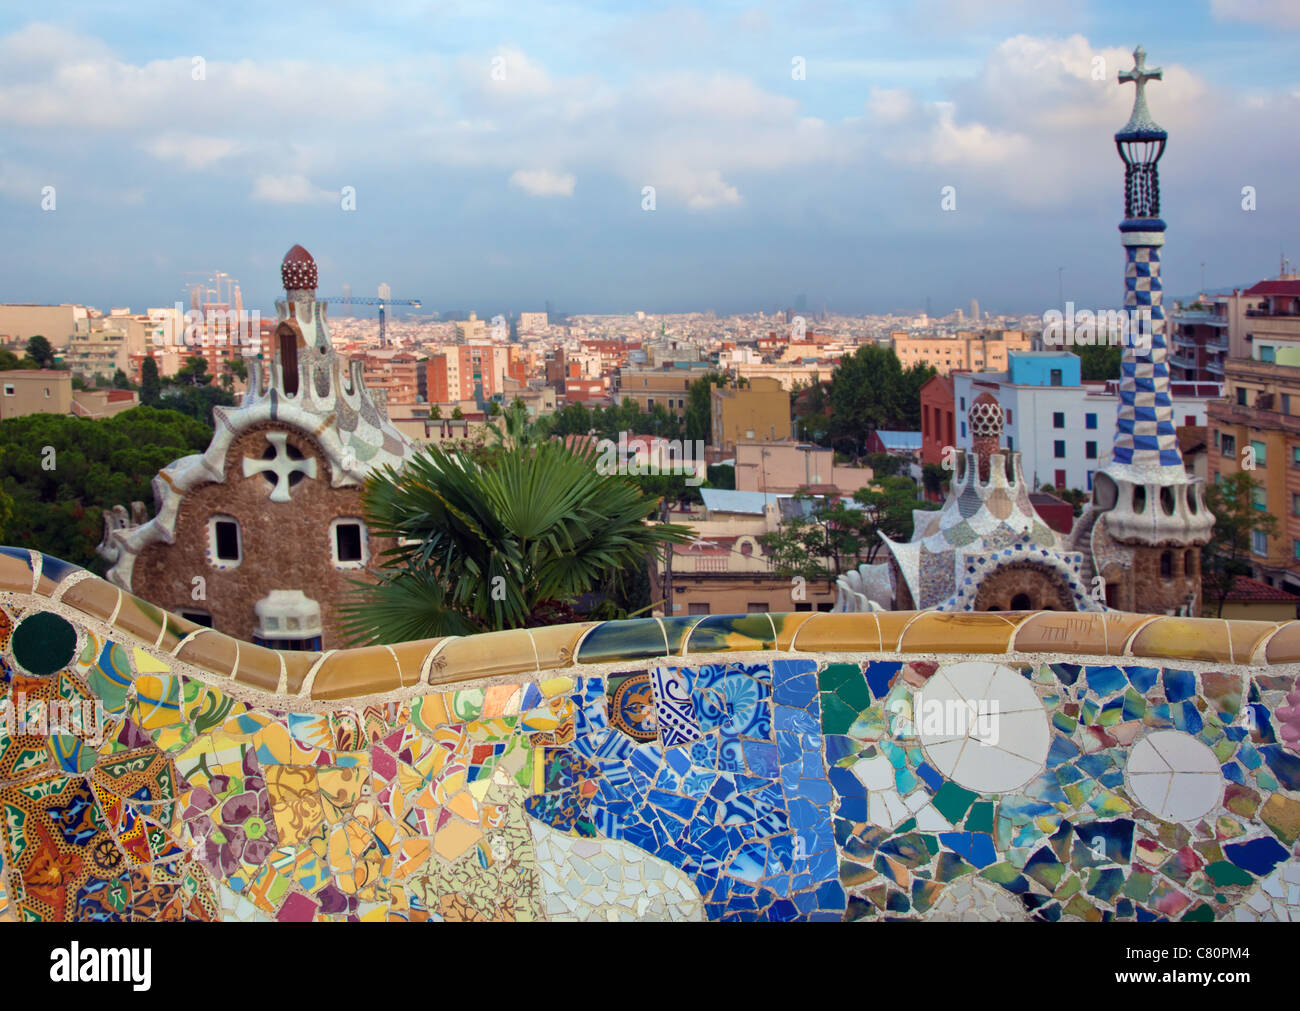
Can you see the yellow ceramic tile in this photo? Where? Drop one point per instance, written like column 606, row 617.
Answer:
column 91, row 596
column 1284, row 646
column 957, row 632
column 211, row 651
column 835, row 633
column 455, row 838
column 411, row 657
column 368, row 670
column 157, row 702
column 555, row 686
column 146, row 664
column 463, row 805
column 479, row 656
column 297, row 665
column 429, row 712
column 787, row 625
column 1184, row 639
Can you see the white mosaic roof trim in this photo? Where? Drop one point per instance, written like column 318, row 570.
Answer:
column 331, row 404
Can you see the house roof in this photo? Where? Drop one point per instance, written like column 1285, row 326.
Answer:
column 1246, row 589
column 1275, row 288
column 899, row 440
column 724, row 500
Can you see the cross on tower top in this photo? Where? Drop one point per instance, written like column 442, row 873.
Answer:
column 1141, row 120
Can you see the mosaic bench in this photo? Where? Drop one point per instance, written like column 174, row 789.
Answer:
column 765, row 766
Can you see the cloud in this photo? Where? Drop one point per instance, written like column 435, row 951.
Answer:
column 543, row 182
column 1270, row 13
column 194, row 152
column 289, row 189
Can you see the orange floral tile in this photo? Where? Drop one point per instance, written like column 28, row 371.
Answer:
column 480, row 656
column 1184, row 639
column 368, row 670
column 958, row 632
column 95, row 597
column 835, row 633
column 211, row 651
column 259, row 667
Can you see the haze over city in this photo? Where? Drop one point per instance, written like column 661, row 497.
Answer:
column 498, row 156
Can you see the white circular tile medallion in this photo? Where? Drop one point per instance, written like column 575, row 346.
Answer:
column 1174, row 776
column 982, row 726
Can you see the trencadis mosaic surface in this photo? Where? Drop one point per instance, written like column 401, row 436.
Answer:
column 773, row 767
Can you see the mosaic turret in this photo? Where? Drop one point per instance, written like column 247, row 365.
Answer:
column 1147, row 499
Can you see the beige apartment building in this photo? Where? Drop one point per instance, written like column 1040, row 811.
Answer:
column 35, row 391
column 965, row 352
column 788, row 374
column 758, row 410
column 669, row 388
column 782, row 468
column 1261, row 412
column 56, row 323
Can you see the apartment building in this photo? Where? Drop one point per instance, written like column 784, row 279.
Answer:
column 1261, row 413
column 35, row 391
column 56, row 323
column 1062, row 426
column 758, row 410
column 976, row 352
column 938, row 419
column 1270, row 322
column 402, row 376
column 785, row 467
column 667, row 387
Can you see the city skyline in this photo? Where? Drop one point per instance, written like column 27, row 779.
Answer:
column 506, row 166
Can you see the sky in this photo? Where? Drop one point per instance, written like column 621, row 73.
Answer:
column 497, row 155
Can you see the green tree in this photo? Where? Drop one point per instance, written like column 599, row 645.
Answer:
column 1099, row 361
column 816, row 544
column 884, row 464
column 870, row 391
column 1077, row 499
column 197, row 401
column 61, row 472
column 935, row 479
column 699, row 407
column 40, row 351
column 193, row 373
column 121, row 381
column 1236, row 520
column 150, row 386
column 238, row 368
column 887, row 508
column 435, row 413
column 10, row 361
column 508, row 545
column 721, row 475
column 457, row 413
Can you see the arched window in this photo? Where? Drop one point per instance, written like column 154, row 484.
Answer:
column 1021, row 602
column 1166, row 565
column 288, row 342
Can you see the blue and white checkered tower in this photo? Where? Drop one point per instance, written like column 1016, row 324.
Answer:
column 1145, row 491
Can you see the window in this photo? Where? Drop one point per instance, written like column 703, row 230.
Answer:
column 756, row 607
column 224, row 542
column 1295, row 503
column 47, row 393
column 1267, row 353
column 1295, row 550
column 698, row 607
column 1011, row 442
column 9, row 390
column 1228, row 445
column 803, row 606
column 1090, row 473
column 1216, row 440
column 1057, row 377
column 1259, row 498
column 1259, row 542
column 198, row 617
column 963, row 403
column 349, row 542
column 1090, row 450
column 1059, row 449
column 1166, row 565
column 1286, row 403
column 1241, row 396
column 1189, row 419
column 1008, row 415
column 1058, row 419
column 1059, row 479
column 1261, row 452
column 963, row 429
column 1090, row 421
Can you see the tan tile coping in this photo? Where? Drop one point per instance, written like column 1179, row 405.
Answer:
column 370, row 670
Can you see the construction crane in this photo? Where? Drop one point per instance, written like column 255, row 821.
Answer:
column 383, row 300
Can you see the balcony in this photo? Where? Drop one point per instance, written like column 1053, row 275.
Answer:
column 1217, row 343
column 1214, row 367
column 1183, row 361
column 1182, row 340
column 1221, row 413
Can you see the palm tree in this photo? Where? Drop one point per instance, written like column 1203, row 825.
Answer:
column 506, row 542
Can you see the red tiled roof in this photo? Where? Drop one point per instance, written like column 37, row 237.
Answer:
column 1275, row 288
column 1245, row 588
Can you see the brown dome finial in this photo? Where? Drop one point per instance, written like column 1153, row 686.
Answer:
column 985, row 418
column 298, row 270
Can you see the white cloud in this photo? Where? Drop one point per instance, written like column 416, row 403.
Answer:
column 543, row 182
column 1271, row 13
column 195, row 152
column 289, row 189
